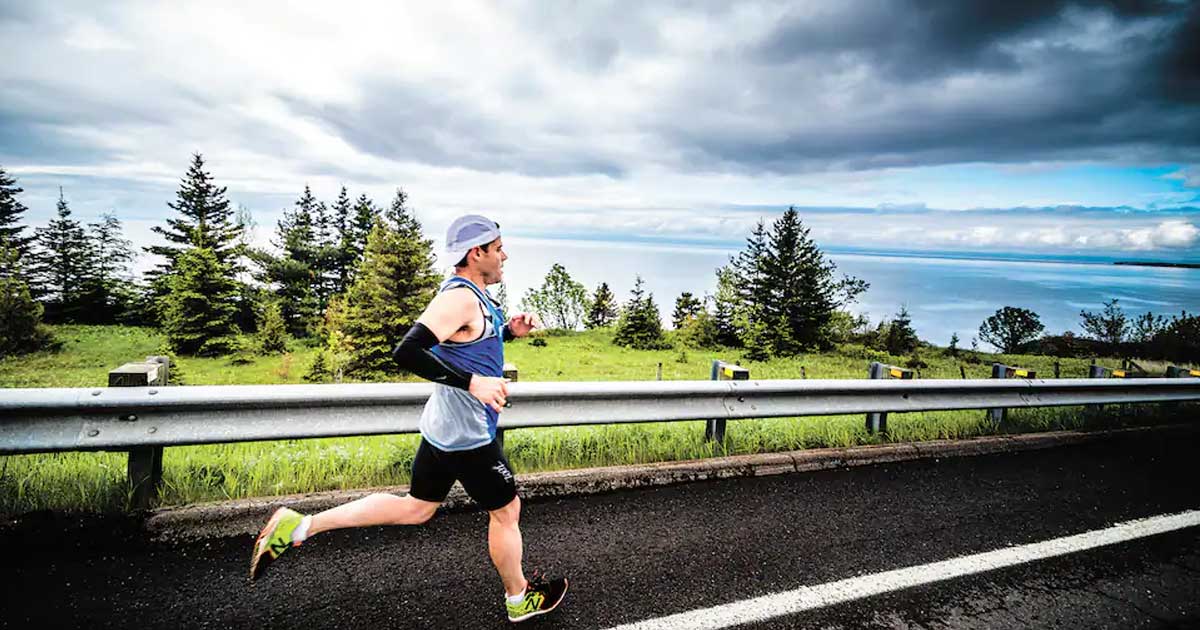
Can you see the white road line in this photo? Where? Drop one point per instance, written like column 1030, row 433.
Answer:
column 812, row 597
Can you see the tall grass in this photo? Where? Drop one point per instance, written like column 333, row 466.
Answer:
column 96, row 481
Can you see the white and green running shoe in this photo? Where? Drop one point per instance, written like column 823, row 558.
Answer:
column 273, row 540
column 541, row 596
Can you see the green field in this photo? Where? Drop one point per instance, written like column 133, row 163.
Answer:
column 96, row 481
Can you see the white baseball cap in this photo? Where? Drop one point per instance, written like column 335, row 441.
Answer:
column 469, row 231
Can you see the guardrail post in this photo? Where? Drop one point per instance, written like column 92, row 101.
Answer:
column 510, row 373
column 999, row 370
column 1174, row 371
column 145, row 462
column 1096, row 371
column 877, row 420
column 714, row 429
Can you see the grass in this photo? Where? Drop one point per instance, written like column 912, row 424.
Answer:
column 96, row 481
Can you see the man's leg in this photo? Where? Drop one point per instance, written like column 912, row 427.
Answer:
column 286, row 528
column 505, row 546
column 374, row 509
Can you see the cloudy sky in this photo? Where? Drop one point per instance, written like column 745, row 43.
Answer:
column 1043, row 127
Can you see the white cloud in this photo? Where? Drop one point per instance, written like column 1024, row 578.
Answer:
column 1189, row 175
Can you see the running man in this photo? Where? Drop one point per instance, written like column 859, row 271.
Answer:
column 458, row 344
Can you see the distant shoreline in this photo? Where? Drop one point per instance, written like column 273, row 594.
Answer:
column 1141, row 263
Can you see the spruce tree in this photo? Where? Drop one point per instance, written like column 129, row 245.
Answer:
column 640, row 326
column 201, row 305
column 205, row 219
column 61, row 259
column 395, row 282
column 354, row 237
column 326, row 255
column 603, row 310
column 901, row 338
column 11, row 209
column 272, row 333
column 686, row 306
column 751, row 276
column 805, row 292
column 293, row 274
column 21, row 328
column 108, row 290
column 341, row 258
column 727, row 303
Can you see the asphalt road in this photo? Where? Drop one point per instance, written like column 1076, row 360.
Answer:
column 638, row 555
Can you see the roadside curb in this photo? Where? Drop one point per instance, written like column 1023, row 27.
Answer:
column 245, row 516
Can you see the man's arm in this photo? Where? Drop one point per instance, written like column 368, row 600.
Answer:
column 446, row 314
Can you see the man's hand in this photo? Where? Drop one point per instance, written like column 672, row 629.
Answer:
column 490, row 390
column 522, row 323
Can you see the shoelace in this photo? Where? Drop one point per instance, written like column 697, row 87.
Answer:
column 537, row 582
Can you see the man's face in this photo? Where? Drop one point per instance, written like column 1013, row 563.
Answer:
column 491, row 262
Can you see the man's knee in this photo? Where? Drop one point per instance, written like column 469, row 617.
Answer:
column 420, row 511
column 509, row 514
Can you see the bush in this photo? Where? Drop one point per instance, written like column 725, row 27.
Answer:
column 272, row 330
column 538, row 342
column 698, row 331
column 318, row 371
column 21, row 328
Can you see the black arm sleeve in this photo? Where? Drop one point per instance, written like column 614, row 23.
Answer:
column 413, row 354
column 506, row 334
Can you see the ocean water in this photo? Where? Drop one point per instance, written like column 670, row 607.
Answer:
column 944, row 295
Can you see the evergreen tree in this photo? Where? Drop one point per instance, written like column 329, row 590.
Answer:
column 61, row 259
column 560, row 302
column 901, row 338
column 272, row 333
column 804, row 292
column 342, row 258
column 326, row 256
column 11, row 210
column 354, row 237
column 750, row 275
column 640, row 326
column 21, row 328
column 108, row 290
column 728, row 308
column 953, row 348
column 201, row 305
column 292, row 275
column 393, row 285
column 686, row 306
column 205, row 220
column 603, row 309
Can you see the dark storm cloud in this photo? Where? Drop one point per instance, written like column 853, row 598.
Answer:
column 919, row 83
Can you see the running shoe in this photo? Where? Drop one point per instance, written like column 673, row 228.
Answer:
column 273, row 540
column 541, row 596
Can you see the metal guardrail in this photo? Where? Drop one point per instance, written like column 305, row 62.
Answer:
column 49, row 420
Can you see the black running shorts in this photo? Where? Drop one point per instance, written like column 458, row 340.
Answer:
column 483, row 472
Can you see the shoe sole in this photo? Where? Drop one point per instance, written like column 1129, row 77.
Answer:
column 566, row 585
column 260, row 543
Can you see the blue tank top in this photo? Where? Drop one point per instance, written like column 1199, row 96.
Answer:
column 453, row 419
